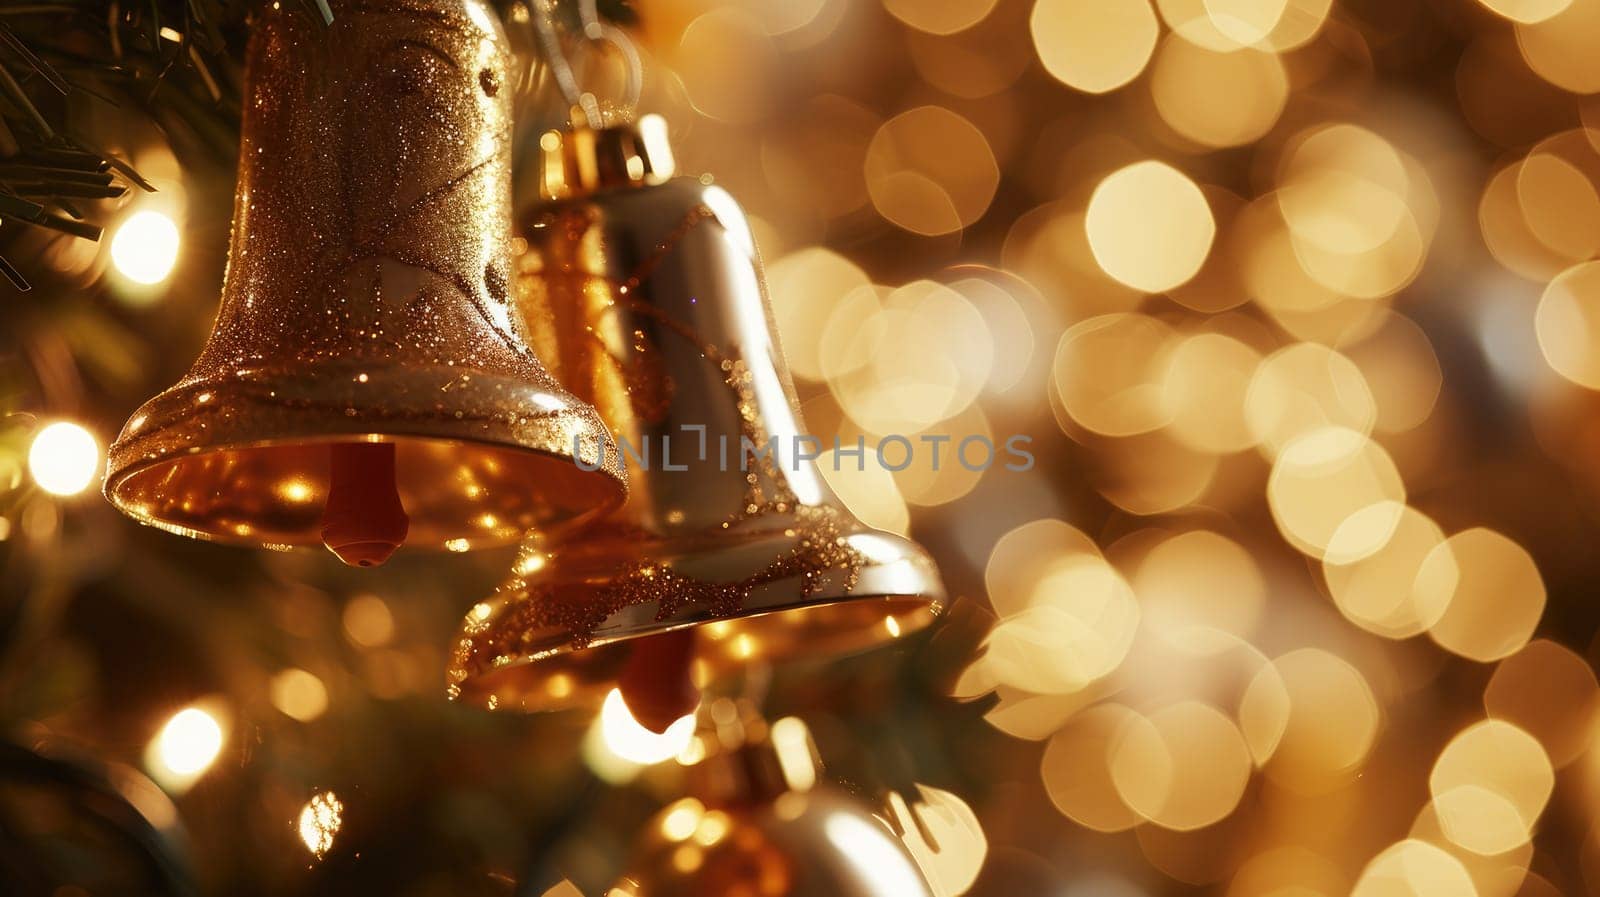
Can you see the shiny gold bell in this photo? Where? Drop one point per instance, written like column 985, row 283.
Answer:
column 367, row 381
column 644, row 294
column 761, row 824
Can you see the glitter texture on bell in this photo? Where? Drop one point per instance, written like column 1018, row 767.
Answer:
column 368, row 381
column 644, row 294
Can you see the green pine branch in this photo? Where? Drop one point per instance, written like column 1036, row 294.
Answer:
column 168, row 57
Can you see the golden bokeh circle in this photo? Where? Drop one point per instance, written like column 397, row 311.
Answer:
column 1323, row 713
column 1551, row 693
column 1560, row 48
column 804, row 288
column 1492, row 593
column 1200, row 590
column 1304, row 387
column 1489, row 786
column 1559, row 205
column 1108, row 373
column 1402, row 371
column 1206, row 380
column 1223, row 25
column 868, row 490
column 1149, row 226
column 1567, row 322
column 1342, row 189
column 1183, row 767
column 942, row 17
column 1218, row 99
column 1413, row 868
column 1526, row 12
column 728, row 65
column 1094, row 47
column 930, row 171
column 1372, row 585
column 1076, row 769
column 1023, row 557
column 1077, row 628
column 1321, row 480
column 1507, row 234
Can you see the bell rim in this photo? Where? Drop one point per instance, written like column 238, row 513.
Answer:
column 493, row 416
column 113, row 480
column 116, row 474
column 920, row 613
column 173, row 408
column 202, row 417
column 917, row 604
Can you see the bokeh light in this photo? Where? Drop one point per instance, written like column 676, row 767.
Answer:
column 319, row 822
column 1314, row 715
column 1108, row 373
column 1556, row 47
column 1303, row 388
column 1527, row 11
column 1224, row 25
column 187, row 745
column 1207, row 378
column 918, row 355
column 942, row 16
column 1218, row 99
column 299, row 694
column 1201, row 590
column 368, row 621
column 144, row 247
column 1413, row 868
column 1549, row 692
column 1149, row 226
column 1489, row 786
column 63, row 458
column 1094, row 47
column 727, row 64
column 1324, row 479
column 1372, row 585
column 1296, row 303
column 1077, row 768
column 930, row 171
column 632, row 742
column 1078, row 627
column 1183, row 767
column 1568, row 324
column 1491, row 590
column 805, row 287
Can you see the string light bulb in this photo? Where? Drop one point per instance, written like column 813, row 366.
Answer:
column 63, row 458
column 145, row 247
column 185, row 748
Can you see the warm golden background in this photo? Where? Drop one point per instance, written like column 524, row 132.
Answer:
column 1296, row 301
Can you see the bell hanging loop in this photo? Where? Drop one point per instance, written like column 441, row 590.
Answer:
column 368, row 380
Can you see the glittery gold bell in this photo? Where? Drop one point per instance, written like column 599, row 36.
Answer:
column 367, row 382
column 759, row 822
column 644, row 294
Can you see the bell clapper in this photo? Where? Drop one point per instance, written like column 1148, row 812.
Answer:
column 363, row 521
column 656, row 683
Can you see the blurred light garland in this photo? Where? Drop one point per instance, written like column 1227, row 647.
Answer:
column 1298, row 301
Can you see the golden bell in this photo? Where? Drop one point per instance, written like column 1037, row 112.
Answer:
column 644, row 294
column 760, row 823
column 366, row 356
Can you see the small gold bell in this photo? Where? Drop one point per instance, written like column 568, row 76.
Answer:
column 367, row 382
column 644, row 294
column 761, row 823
